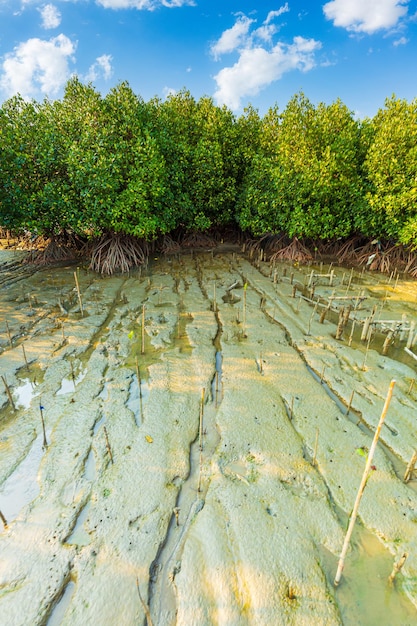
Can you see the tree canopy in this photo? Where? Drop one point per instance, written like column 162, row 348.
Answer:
column 90, row 164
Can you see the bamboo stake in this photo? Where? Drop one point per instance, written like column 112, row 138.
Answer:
column 366, row 352
column 351, row 333
column 24, row 356
column 143, row 330
column 363, row 485
column 397, row 567
column 410, row 389
column 79, row 294
column 45, row 442
column 201, row 419
column 144, row 606
column 108, row 444
column 322, row 374
column 9, row 394
column 292, row 408
column 350, row 402
column 3, row 519
column 8, row 332
column 410, row 467
column 316, row 443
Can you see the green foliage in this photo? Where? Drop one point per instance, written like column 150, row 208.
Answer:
column 391, row 164
column 91, row 164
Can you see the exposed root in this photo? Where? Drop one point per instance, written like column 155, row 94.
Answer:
column 295, row 251
column 198, row 240
column 118, row 253
column 169, row 245
column 54, row 250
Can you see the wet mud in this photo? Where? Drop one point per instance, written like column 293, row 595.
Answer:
column 186, row 443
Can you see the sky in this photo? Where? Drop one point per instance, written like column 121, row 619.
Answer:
column 239, row 52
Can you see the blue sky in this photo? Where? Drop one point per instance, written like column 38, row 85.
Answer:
column 239, row 52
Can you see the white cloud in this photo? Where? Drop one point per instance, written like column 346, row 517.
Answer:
column 51, row 17
column 402, row 41
column 168, row 91
column 102, row 67
column 365, row 16
column 273, row 14
column 265, row 32
column 148, row 5
column 232, row 38
column 37, row 65
column 256, row 68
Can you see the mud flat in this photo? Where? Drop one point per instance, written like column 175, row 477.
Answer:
column 205, row 437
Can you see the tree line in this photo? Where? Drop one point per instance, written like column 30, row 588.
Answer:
column 89, row 164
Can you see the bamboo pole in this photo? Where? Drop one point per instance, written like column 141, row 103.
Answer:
column 9, row 394
column 9, row 334
column 25, row 357
column 351, row 333
column 316, row 443
column 144, row 606
column 350, row 402
column 142, row 350
column 45, row 442
column 397, row 567
column 4, row 520
column 108, row 444
column 363, row 485
column 201, row 419
column 410, row 467
column 79, row 294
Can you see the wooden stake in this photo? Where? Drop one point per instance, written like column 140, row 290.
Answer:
column 350, row 402
column 45, row 442
column 144, row 606
column 410, row 467
column 143, row 330
column 8, row 332
column 24, row 356
column 108, row 444
column 410, row 389
column 316, row 443
column 3, row 519
column 292, row 408
column 363, row 485
column 9, row 395
column 397, row 567
column 201, row 419
column 79, row 294
column 351, row 333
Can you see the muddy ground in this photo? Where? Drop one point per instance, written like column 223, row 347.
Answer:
column 202, row 449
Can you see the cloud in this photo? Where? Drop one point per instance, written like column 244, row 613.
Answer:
column 257, row 67
column 273, row 14
column 232, row 38
column 102, row 67
column 51, row 17
column 144, row 5
column 402, row 41
column 365, row 16
column 37, row 65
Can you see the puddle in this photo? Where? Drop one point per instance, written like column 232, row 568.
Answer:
column 138, row 395
column 69, row 384
column 90, row 466
column 364, row 595
column 216, row 383
column 22, row 485
column 58, row 612
column 97, row 425
column 24, row 394
column 79, row 535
